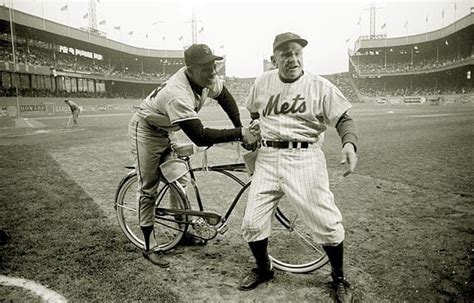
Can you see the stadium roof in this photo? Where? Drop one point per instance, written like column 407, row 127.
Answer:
column 27, row 25
column 382, row 41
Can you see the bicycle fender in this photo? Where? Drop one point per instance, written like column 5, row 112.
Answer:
column 129, row 175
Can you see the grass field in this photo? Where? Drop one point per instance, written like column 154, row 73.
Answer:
column 408, row 213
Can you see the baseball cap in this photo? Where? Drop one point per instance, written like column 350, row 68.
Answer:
column 199, row 54
column 280, row 39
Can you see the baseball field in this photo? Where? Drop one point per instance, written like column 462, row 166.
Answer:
column 408, row 212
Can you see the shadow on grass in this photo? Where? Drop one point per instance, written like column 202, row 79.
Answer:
column 60, row 238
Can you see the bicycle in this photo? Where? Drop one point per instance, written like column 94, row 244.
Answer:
column 291, row 247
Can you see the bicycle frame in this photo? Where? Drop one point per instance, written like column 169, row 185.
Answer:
column 225, row 169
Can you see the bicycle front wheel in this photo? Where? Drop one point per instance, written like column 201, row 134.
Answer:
column 291, row 246
column 168, row 229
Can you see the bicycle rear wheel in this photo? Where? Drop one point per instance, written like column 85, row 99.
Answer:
column 291, row 246
column 168, row 229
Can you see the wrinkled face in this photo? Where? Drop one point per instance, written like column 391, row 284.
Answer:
column 203, row 74
column 288, row 58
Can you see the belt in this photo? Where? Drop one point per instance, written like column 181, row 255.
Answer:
column 286, row 144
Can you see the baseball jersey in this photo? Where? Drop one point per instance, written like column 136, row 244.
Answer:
column 73, row 106
column 175, row 101
column 297, row 111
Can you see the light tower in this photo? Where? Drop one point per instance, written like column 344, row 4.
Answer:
column 373, row 13
column 92, row 15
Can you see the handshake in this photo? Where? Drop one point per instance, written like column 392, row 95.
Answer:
column 251, row 136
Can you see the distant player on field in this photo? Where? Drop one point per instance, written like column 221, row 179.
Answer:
column 75, row 110
column 294, row 108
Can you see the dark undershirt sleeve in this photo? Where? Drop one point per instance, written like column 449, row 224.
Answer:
column 227, row 102
column 203, row 136
column 347, row 130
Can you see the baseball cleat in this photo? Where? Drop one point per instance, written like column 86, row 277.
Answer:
column 343, row 290
column 256, row 277
column 155, row 258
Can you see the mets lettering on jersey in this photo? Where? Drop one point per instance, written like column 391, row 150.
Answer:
column 285, row 107
column 298, row 111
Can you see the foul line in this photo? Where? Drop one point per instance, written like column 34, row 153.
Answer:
column 434, row 115
column 46, row 294
column 28, row 122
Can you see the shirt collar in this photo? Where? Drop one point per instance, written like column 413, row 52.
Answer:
column 194, row 86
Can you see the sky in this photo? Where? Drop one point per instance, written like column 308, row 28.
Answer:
column 244, row 30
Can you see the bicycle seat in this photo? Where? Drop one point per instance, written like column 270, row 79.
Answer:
column 173, row 169
column 184, row 149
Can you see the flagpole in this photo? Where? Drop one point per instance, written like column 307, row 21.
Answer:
column 67, row 16
column 42, row 14
column 426, row 33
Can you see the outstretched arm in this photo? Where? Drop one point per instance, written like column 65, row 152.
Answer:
column 227, row 102
column 203, row 136
column 348, row 134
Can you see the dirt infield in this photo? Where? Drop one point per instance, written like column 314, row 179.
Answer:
column 408, row 211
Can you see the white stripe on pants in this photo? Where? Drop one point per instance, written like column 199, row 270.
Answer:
column 151, row 146
column 301, row 175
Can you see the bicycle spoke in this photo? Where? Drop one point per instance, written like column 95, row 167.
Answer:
column 127, row 208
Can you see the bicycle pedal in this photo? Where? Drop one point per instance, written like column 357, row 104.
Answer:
column 223, row 229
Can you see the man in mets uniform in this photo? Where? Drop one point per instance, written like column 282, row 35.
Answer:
column 294, row 108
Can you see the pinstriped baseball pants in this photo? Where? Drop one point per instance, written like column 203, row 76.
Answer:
column 301, row 175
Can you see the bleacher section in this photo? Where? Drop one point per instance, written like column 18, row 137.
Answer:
column 438, row 63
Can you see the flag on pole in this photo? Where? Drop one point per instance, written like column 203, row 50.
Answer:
column 102, row 22
column 85, row 16
column 117, row 27
column 180, row 38
column 64, row 8
column 130, row 33
column 383, row 26
column 201, row 30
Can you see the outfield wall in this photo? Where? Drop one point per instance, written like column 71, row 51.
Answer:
column 428, row 99
column 41, row 107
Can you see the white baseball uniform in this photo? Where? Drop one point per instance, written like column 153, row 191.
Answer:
column 294, row 112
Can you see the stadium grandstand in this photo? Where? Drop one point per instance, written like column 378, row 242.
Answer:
column 50, row 59
column 434, row 66
column 42, row 62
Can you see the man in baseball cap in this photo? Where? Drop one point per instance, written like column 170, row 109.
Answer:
column 170, row 107
column 283, row 38
column 199, row 54
column 293, row 132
